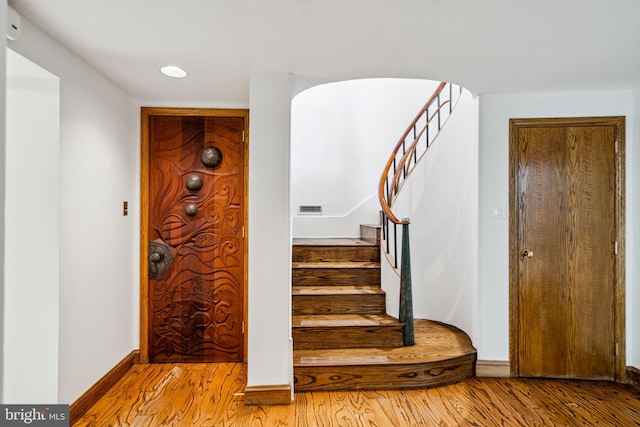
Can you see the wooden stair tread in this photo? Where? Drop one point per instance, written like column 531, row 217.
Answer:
column 333, row 241
column 342, row 320
column 434, row 341
column 342, row 337
column 335, row 264
column 322, row 331
column 336, row 289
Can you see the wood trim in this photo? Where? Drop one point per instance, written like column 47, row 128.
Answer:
column 246, row 235
column 619, row 321
column 204, row 112
column 493, row 368
column 620, row 292
column 633, row 375
column 144, row 235
column 145, row 113
column 514, row 330
column 268, row 395
column 90, row 397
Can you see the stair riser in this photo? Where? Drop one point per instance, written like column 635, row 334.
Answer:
column 338, row 304
column 384, row 376
column 308, row 338
column 336, row 276
column 371, row 233
column 335, row 253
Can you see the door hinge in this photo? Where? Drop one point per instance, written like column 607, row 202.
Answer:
column 617, row 350
column 615, row 146
column 615, row 248
column 243, row 231
column 243, row 328
column 243, row 139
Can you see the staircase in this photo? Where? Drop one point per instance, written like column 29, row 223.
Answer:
column 342, row 337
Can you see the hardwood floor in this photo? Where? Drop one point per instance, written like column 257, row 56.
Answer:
column 210, row 395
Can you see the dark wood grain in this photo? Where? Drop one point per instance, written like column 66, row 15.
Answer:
column 211, row 395
column 342, row 337
column 328, row 250
column 334, row 273
column 442, row 354
column 565, row 198
column 345, row 331
column 196, row 310
column 337, row 299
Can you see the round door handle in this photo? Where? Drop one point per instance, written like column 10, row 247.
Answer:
column 527, row 253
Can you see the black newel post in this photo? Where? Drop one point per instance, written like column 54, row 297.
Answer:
column 406, row 299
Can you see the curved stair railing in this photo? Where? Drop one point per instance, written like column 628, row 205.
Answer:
column 409, row 150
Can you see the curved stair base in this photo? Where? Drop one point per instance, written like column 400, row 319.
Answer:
column 442, row 354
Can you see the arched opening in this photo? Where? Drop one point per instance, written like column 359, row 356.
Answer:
column 341, row 136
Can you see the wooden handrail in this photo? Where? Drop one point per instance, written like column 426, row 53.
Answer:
column 389, row 188
column 385, row 204
column 404, row 168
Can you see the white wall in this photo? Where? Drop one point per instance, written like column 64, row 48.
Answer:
column 3, row 299
column 633, row 244
column 32, row 236
column 99, row 142
column 341, row 137
column 269, row 319
column 495, row 111
column 440, row 199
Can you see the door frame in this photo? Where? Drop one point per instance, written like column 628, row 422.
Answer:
column 619, row 217
column 145, row 114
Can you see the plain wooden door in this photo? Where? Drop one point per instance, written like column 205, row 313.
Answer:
column 195, row 237
column 565, row 239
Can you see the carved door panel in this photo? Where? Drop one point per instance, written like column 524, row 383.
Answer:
column 195, row 233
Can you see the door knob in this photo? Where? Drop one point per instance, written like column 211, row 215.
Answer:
column 156, row 257
column 161, row 258
column 527, row 253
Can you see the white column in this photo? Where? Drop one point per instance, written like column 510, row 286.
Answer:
column 32, row 233
column 269, row 232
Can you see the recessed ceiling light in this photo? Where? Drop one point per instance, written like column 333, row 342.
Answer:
column 173, row 71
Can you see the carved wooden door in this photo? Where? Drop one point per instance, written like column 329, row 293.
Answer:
column 566, row 243
column 196, row 246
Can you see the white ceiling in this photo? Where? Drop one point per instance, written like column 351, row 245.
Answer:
column 485, row 45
